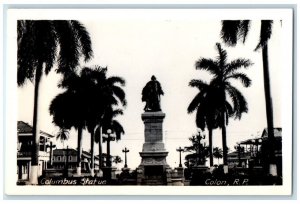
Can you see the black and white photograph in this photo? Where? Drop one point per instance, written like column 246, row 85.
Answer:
column 168, row 98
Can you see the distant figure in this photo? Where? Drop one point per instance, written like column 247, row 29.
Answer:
column 151, row 95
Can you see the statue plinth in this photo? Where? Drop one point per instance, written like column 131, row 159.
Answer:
column 153, row 166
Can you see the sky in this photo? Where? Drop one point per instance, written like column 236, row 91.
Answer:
column 136, row 45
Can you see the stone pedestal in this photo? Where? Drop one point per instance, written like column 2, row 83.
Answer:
column 109, row 172
column 200, row 168
column 125, row 169
column 153, row 167
column 180, row 172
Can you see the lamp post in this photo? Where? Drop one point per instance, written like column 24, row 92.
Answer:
column 51, row 146
column 199, row 138
column 238, row 148
column 180, row 150
column 67, row 162
column 125, row 150
column 257, row 142
column 109, row 137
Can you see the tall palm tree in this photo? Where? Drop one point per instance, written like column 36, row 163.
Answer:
column 38, row 43
column 231, row 32
column 67, row 111
column 103, row 93
column 218, row 153
column 225, row 93
column 207, row 110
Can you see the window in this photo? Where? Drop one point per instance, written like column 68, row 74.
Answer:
column 70, row 158
column 58, row 158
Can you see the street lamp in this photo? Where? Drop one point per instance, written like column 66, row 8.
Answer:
column 257, row 142
column 51, row 146
column 109, row 137
column 239, row 149
column 19, row 146
column 180, row 150
column 199, row 138
column 125, row 150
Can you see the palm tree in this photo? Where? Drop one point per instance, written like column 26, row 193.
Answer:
column 224, row 93
column 207, row 111
column 38, row 43
column 231, row 32
column 110, row 123
column 199, row 151
column 63, row 135
column 218, row 153
column 102, row 94
column 117, row 159
column 67, row 111
column 92, row 95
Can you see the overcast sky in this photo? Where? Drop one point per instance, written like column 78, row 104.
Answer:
column 136, row 45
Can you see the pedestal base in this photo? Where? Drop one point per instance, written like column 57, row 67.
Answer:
column 109, row 173
column 125, row 169
column 153, row 169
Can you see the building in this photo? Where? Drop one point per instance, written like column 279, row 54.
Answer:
column 251, row 153
column 240, row 159
column 63, row 158
column 277, row 148
column 25, row 148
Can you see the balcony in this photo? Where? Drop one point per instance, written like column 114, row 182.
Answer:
column 22, row 154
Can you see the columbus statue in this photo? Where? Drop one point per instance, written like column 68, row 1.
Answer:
column 151, row 95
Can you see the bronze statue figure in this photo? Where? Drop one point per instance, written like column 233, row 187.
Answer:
column 151, row 95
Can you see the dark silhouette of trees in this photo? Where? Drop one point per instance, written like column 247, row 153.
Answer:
column 218, row 153
column 63, row 135
column 41, row 44
column 198, row 151
column 234, row 30
column 224, row 93
column 207, row 110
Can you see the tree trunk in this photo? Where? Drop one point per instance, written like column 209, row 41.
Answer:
column 33, row 179
column 210, row 147
column 224, row 143
column 224, row 136
column 79, row 151
column 92, row 152
column 100, row 149
column 269, row 111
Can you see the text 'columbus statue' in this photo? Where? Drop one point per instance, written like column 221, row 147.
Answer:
column 151, row 95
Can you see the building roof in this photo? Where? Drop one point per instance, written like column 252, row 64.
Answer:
column 234, row 155
column 88, row 155
column 25, row 128
column 251, row 141
column 277, row 132
column 61, row 152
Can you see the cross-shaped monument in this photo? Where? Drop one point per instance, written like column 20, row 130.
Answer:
column 125, row 150
column 180, row 150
